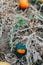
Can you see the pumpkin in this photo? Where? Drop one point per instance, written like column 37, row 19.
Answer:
column 24, row 4
column 42, row 1
column 20, row 48
column 4, row 63
column 21, row 51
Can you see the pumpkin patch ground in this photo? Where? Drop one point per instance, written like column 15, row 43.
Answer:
column 21, row 22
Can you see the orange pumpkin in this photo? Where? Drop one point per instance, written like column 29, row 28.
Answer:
column 42, row 1
column 21, row 51
column 24, row 4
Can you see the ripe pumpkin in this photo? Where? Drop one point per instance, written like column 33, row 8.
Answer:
column 21, row 51
column 42, row 1
column 4, row 63
column 24, row 4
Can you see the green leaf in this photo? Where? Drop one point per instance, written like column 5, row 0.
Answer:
column 21, row 22
column 16, row 26
column 36, row 1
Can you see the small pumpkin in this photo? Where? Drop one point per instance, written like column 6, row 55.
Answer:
column 24, row 4
column 4, row 63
